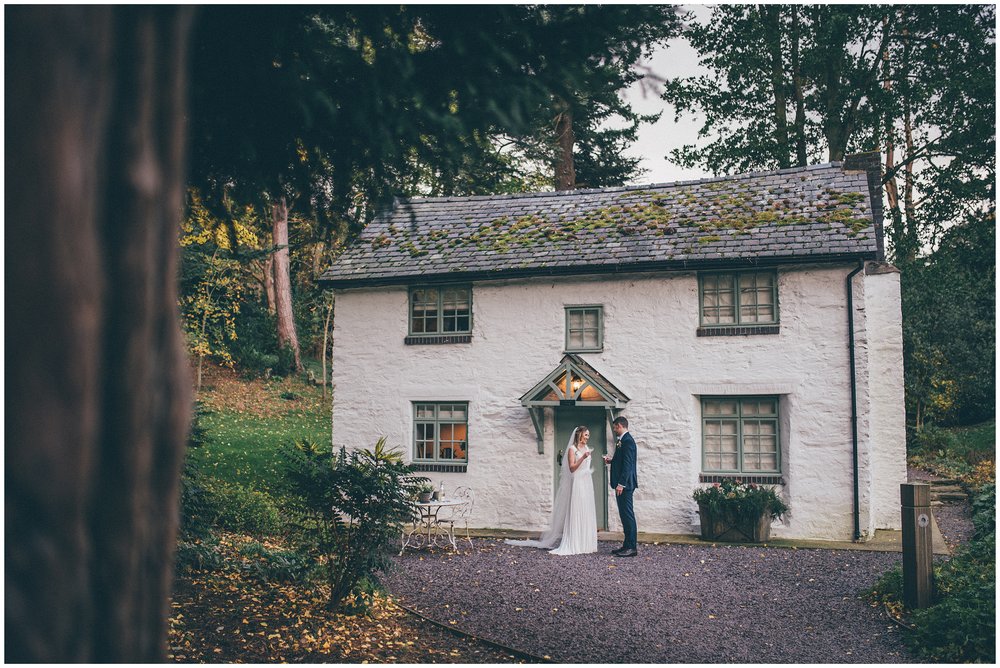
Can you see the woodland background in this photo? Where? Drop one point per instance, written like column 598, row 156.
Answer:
column 239, row 149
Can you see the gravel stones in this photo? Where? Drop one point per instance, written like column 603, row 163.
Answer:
column 674, row 603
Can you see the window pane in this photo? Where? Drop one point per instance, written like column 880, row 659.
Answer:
column 575, row 319
column 590, row 339
column 717, row 306
column 425, row 410
column 720, row 407
column 575, row 339
column 590, row 318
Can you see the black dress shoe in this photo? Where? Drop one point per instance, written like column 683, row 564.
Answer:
column 627, row 553
column 618, row 551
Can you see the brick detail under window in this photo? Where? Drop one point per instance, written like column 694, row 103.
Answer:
column 430, row 340
column 763, row 479
column 441, row 468
column 738, row 330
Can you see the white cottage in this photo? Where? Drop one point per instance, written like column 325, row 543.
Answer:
column 747, row 326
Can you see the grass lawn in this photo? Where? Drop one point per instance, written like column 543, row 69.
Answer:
column 249, row 420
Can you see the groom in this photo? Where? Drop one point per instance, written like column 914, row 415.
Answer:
column 624, row 482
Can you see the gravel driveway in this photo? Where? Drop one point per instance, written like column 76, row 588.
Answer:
column 674, row 603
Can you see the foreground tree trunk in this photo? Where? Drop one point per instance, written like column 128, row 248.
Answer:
column 98, row 401
column 283, row 281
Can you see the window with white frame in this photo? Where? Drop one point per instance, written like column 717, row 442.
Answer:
column 738, row 298
column 740, row 435
column 584, row 329
column 440, row 432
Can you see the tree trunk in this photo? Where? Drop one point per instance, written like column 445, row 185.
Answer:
column 99, row 401
column 283, row 282
column 801, row 155
column 772, row 27
column 326, row 333
column 269, row 283
column 909, row 209
column 565, row 169
column 891, row 186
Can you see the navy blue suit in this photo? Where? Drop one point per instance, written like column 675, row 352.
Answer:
column 623, row 473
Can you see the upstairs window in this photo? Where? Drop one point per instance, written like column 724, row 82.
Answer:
column 440, row 310
column 739, row 299
column 584, row 329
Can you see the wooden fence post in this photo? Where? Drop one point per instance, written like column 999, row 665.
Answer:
column 918, row 584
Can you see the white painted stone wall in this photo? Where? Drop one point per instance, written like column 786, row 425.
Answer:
column 881, row 404
column 651, row 352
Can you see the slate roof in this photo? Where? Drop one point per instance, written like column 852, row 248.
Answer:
column 816, row 213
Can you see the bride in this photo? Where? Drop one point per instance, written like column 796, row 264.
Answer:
column 573, row 529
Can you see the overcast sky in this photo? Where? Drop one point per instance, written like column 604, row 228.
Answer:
column 656, row 140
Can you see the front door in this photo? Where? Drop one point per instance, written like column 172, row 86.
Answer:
column 595, row 420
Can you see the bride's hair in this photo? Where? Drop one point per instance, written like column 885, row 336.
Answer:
column 579, row 433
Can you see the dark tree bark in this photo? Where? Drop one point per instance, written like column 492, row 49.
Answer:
column 269, row 283
column 98, row 401
column 283, row 281
column 565, row 168
column 801, row 156
column 772, row 27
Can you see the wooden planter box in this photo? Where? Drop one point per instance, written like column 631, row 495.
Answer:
column 729, row 529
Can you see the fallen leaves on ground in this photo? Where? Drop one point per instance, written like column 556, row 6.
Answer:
column 230, row 617
column 224, row 390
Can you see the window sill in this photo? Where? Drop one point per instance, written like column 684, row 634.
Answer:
column 756, row 478
column 441, row 468
column 424, row 340
column 739, row 330
column 584, row 351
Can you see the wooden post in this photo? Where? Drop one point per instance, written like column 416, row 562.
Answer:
column 918, row 584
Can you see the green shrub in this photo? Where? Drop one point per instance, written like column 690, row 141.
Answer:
column 961, row 625
column 286, row 361
column 930, row 439
column 273, row 566
column 255, row 364
column 984, row 513
column 243, row 510
column 198, row 510
column 198, row 556
column 346, row 512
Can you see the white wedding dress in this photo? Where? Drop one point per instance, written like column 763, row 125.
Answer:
column 573, row 528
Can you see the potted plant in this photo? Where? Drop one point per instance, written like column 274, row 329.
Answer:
column 738, row 512
column 424, row 492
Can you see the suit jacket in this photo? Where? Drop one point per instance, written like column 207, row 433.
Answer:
column 623, row 464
